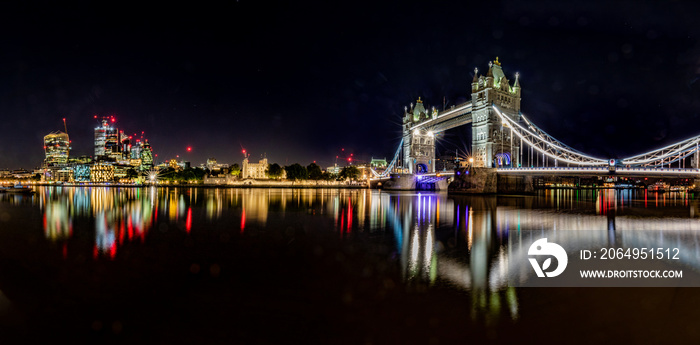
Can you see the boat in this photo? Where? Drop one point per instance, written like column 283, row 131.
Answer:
column 18, row 189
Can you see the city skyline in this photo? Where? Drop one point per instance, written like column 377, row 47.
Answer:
column 114, row 144
column 300, row 81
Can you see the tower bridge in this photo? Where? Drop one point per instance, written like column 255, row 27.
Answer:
column 506, row 141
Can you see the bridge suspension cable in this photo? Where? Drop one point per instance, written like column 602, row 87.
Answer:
column 546, row 144
column 665, row 155
column 548, row 137
column 389, row 167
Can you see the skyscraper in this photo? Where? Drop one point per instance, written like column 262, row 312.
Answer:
column 135, row 152
column 56, row 148
column 146, row 156
column 100, row 137
column 107, row 141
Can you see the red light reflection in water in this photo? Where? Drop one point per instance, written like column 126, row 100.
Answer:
column 342, row 223
column 243, row 218
column 113, row 250
column 64, row 252
column 130, row 228
column 188, row 222
column 349, row 216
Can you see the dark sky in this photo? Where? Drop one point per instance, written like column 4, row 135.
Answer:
column 301, row 80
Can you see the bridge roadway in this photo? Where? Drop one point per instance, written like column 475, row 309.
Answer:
column 574, row 171
column 598, row 171
column 432, row 177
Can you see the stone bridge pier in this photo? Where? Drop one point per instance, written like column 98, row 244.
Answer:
column 477, row 180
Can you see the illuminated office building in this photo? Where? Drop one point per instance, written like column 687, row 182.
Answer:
column 100, row 137
column 125, row 149
column 107, row 141
column 102, row 172
column 81, row 173
column 146, row 156
column 135, row 151
column 56, row 148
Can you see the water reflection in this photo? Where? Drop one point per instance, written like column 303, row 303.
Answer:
column 58, row 224
column 463, row 242
column 120, row 214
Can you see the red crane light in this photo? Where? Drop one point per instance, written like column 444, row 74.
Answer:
column 189, row 149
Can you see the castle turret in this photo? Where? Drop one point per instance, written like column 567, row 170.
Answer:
column 419, row 111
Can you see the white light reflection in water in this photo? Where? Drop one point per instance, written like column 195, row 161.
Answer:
column 463, row 242
column 435, row 256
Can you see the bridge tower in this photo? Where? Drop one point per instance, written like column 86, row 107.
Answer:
column 492, row 142
column 418, row 144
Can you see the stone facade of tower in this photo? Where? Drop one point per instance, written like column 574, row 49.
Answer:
column 418, row 144
column 492, row 143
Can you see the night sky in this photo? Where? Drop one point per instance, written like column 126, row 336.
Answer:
column 299, row 81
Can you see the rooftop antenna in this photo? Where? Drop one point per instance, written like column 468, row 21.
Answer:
column 65, row 127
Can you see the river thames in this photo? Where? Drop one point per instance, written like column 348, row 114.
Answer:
column 201, row 265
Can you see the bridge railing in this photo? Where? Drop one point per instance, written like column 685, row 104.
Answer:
column 603, row 169
column 683, row 170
